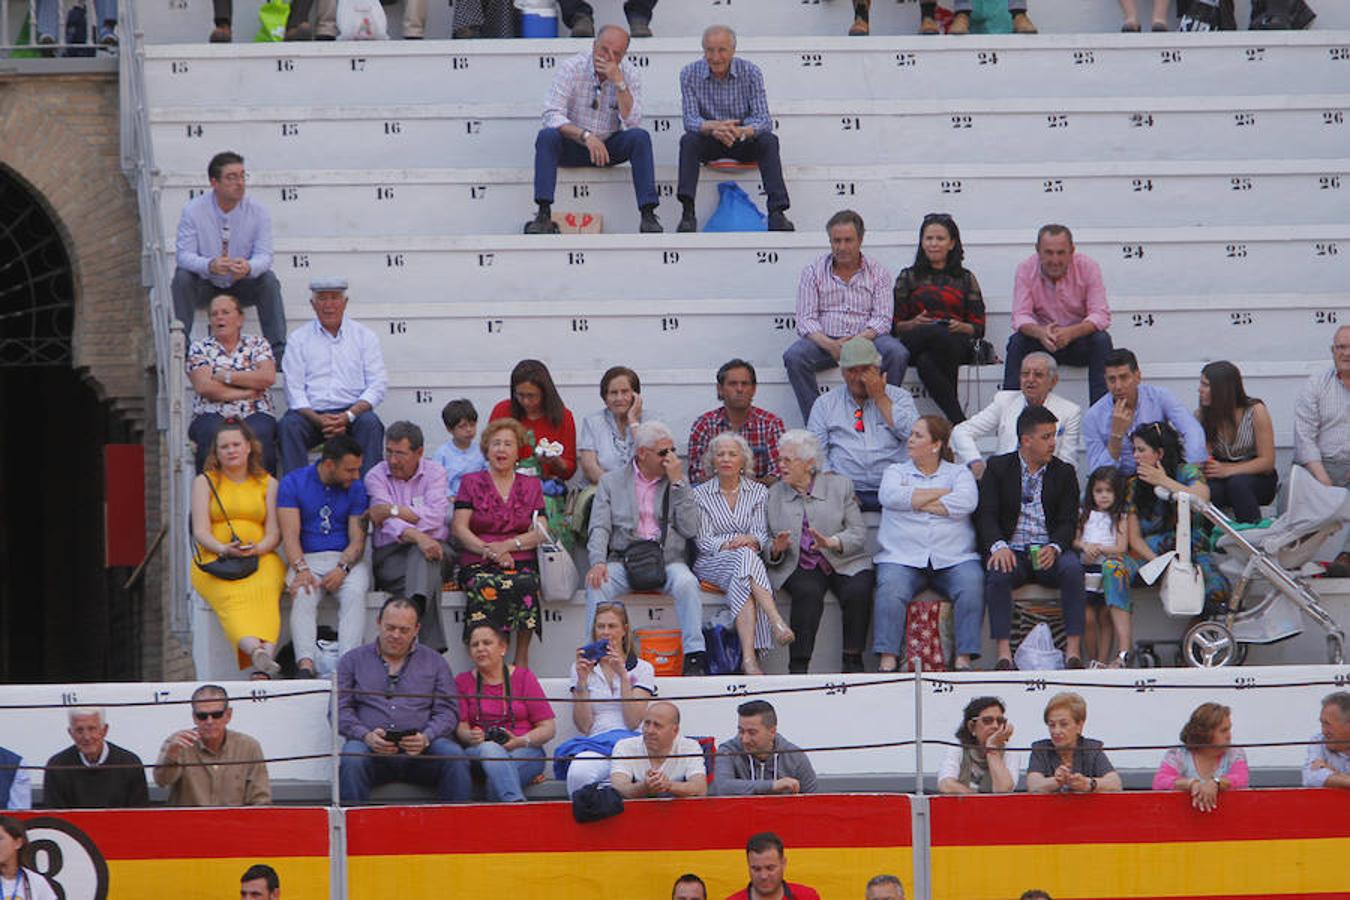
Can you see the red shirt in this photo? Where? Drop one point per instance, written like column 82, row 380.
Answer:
column 565, row 434
column 790, row 892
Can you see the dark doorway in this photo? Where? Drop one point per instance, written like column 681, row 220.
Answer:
column 63, row 615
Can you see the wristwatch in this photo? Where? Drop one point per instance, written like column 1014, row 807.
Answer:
column 621, row 86
column 351, row 416
column 1092, row 785
column 519, row 546
column 229, row 376
column 585, row 135
column 393, row 511
column 345, row 567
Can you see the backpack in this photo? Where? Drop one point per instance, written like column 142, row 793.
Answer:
column 77, row 31
column 1206, row 15
column 1281, row 15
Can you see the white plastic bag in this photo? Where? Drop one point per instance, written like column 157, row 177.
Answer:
column 361, row 20
column 1037, row 652
column 329, row 654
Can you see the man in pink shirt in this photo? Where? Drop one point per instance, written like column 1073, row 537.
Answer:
column 1059, row 306
column 409, row 505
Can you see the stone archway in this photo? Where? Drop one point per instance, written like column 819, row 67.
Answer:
column 76, row 371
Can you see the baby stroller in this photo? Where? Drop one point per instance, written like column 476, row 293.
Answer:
column 1272, row 565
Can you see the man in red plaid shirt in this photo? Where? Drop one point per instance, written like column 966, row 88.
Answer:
column 760, row 428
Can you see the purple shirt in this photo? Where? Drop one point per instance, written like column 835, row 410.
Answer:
column 424, row 493
column 425, row 672
column 1077, row 297
column 495, row 519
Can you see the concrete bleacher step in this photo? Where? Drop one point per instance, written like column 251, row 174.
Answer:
column 1051, row 129
column 890, row 197
column 1088, row 65
column 190, row 20
column 414, row 335
column 679, row 395
column 1230, row 260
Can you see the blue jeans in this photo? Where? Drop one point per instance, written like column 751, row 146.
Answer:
column 897, row 585
column 680, row 584
column 634, row 145
column 804, row 358
column 360, row 770
column 296, row 435
column 48, row 18
column 505, row 780
column 202, row 432
column 1067, row 575
column 1087, row 351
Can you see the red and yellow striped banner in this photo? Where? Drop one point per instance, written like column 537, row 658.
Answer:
column 834, row 843
column 186, row 854
column 1269, row 843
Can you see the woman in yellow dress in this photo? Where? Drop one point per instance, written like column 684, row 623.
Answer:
column 249, row 608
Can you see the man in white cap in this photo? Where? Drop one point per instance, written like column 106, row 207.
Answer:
column 334, row 380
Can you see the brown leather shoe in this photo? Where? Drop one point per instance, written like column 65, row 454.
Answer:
column 929, row 25
column 1022, row 24
column 221, row 35
column 860, row 28
column 960, row 24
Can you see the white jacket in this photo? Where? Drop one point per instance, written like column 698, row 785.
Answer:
column 999, row 419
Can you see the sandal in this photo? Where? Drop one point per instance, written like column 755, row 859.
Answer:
column 263, row 662
column 782, row 634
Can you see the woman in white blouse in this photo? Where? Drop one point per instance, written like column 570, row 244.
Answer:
column 731, row 537
column 927, row 540
column 613, row 691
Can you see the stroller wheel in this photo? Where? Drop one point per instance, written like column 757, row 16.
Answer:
column 1210, row 645
column 1335, row 650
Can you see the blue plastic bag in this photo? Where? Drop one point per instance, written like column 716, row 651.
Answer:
column 723, row 650
column 735, row 211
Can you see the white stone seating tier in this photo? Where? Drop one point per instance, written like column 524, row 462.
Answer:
column 1115, row 194
column 1230, row 64
column 819, row 132
column 190, row 20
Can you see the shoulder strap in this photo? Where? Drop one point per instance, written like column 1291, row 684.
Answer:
column 228, row 524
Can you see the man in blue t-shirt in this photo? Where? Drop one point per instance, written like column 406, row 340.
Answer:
column 320, row 508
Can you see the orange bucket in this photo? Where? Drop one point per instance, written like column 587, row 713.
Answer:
column 663, row 648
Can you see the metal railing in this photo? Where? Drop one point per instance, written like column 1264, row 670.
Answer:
column 138, row 164
column 12, row 26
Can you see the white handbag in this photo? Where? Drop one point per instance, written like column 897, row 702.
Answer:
column 1183, row 584
column 558, row 575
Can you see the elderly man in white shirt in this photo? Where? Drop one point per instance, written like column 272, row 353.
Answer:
column 1328, row 763
column 1039, row 378
column 334, row 380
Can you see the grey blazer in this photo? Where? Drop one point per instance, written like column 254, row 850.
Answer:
column 832, row 509
column 614, row 516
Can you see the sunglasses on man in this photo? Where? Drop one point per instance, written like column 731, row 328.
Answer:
column 203, row 716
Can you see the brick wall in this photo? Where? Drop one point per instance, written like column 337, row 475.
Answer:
column 61, row 135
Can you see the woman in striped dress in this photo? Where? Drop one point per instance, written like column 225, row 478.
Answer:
column 731, row 537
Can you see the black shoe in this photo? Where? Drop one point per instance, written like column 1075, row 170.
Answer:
column 799, row 666
column 778, row 221
column 1073, row 662
column 688, row 222
column 694, row 665
column 583, row 26
column 303, row 672
column 639, row 26
column 1005, row 665
column 542, row 223
column 851, row 662
column 650, row 223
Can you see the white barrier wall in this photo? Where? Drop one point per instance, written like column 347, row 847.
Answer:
column 1125, row 708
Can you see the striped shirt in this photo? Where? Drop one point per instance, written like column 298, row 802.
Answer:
column 838, row 308
column 738, row 96
column 578, row 97
column 1322, row 419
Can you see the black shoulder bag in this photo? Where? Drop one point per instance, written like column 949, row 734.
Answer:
column 227, row 568
column 645, row 561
